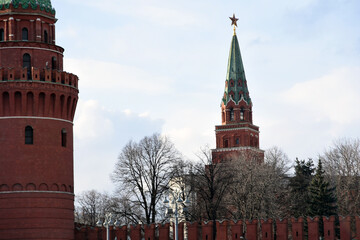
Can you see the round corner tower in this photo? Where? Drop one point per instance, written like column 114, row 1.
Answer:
column 37, row 106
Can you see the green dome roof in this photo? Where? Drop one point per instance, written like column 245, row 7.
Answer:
column 44, row 4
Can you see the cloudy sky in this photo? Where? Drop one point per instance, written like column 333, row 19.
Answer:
column 150, row 66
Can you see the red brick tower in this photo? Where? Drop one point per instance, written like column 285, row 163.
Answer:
column 37, row 107
column 237, row 134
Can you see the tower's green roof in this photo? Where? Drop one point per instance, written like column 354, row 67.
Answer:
column 236, row 75
column 44, row 4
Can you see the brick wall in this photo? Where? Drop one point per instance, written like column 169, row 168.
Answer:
column 281, row 229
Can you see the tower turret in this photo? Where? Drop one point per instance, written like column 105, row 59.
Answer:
column 37, row 106
column 237, row 134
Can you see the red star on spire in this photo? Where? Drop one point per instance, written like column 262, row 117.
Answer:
column 234, row 20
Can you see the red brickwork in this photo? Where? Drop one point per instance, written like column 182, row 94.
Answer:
column 357, row 224
column 236, row 229
column 329, row 228
column 164, row 231
column 282, row 229
column 222, row 229
column 149, row 232
column 193, row 230
column 207, row 231
column 36, row 177
column 297, row 228
column 254, row 230
column 267, row 229
column 313, row 228
column 345, row 227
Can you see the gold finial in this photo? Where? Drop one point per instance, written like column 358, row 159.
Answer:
column 234, row 22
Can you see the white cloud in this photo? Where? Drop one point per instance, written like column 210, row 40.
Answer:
column 334, row 96
column 154, row 11
column 102, row 75
column 99, row 136
column 90, row 122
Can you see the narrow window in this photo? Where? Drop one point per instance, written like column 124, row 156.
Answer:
column 63, row 137
column 27, row 64
column 53, row 63
column 1, row 34
column 231, row 114
column 45, row 36
column 25, row 34
column 237, row 141
column 226, row 143
column 242, row 114
column 29, row 135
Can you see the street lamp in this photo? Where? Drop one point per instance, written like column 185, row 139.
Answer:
column 108, row 222
column 173, row 208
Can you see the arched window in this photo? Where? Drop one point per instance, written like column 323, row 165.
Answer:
column 231, row 114
column 237, row 141
column 53, row 63
column 45, row 36
column 226, row 143
column 242, row 114
column 1, row 34
column 25, row 34
column 27, row 64
column 29, row 135
column 63, row 137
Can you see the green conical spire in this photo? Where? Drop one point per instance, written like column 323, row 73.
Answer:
column 235, row 77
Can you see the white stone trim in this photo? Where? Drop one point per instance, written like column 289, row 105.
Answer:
column 45, row 49
column 42, row 118
column 236, row 149
column 58, row 192
column 231, row 129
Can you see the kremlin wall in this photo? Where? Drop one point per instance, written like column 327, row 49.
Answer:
column 280, row 229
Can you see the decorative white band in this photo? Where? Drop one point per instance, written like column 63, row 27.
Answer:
column 237, row 149
column 43, row 118
column 57, row 192
column 45, row 49
column 239, row 128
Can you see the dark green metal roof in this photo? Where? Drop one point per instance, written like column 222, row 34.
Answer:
column 45, row 5
column 235, row 77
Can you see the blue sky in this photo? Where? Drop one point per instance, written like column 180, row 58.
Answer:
column 159, row 66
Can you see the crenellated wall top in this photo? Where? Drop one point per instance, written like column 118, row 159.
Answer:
column 39, row 75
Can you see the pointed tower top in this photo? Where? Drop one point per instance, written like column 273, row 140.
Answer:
column 236, row 85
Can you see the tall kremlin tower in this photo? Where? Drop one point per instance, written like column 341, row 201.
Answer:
column 37, row 106
column 237, row 134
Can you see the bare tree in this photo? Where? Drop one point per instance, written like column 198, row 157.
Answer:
column 211, row 186
column 342, row 163
column 92, row 205
column 259, row 188
column 276, row 158
column 144, row 170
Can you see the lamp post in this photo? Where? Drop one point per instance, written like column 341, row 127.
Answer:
column 108, row 222
column 173, row 208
